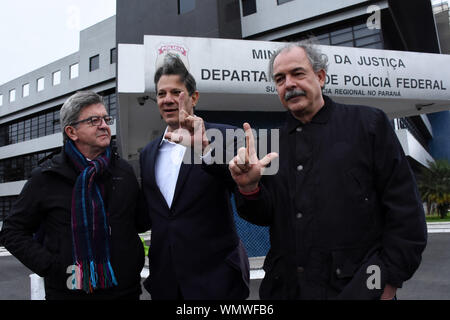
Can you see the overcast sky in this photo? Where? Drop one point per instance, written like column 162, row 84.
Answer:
column 34, row 33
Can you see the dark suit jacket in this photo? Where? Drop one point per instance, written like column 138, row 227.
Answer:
column 194, row 244
column 347, row 202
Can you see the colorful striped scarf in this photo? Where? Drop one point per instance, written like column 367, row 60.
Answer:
column 90, row 226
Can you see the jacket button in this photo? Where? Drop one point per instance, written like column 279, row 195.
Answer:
column 338, row 271
column 299, row 215
column 299, row 167
column 300, row 269
column 299, row 129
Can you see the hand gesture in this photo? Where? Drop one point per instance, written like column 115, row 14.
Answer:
column 246, row 169
column 191, row 131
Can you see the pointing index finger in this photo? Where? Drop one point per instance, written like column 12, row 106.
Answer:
column 182, row 110
column 250, row 143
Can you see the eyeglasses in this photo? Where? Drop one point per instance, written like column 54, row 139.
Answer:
column 96, row 121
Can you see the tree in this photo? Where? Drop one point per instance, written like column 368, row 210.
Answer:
column 434, row 185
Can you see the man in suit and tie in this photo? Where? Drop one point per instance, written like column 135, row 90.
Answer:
column 195, row 251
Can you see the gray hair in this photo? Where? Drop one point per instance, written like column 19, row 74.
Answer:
column 71, row 109
column 317, row 59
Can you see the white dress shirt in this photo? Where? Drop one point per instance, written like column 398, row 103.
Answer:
column 167, row 167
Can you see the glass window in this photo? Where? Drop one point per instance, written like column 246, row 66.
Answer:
column 19, row 168
column 9, row 135
column 73, row 71
column 41, row 125
column 368, row 40
column 4, row 136
column 340, row 38
column 324, row 39
column 340, row 31
column 27, row 129
column 112, row 108
column 109, row 100
column 2, row 172
column 94, row 63
column 113, row 56
column 26, row 90
column 5, row 204
column 185, row 6
column 1, row 99
column 13, row 133
column 376, row 45
column 359, row 33
column 248, row 7
column 12, row 95
column 20, row 131
column 34, row 127
column 56, row 77
column 48, row 123
column 345, row 44
column 360, row 26
column 282, row 1
column 56, row 122
column 40, row 84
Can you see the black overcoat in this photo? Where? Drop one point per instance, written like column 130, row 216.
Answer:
column 343, row 203
column 194, row 247
column 44, row 205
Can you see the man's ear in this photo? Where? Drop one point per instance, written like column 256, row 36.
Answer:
column 195, row 96
column 71, row 132
column 321, row 75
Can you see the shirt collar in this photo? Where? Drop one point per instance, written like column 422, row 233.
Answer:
column 321, row 117
column 164, row 140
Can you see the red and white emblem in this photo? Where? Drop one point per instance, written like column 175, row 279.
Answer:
column 178, row 49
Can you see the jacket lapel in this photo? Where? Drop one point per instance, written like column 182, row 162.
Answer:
column 185, row 169
column 153, row 153
column 187, row 166
column 151, row 162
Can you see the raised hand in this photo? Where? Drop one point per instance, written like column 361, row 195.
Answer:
column 245, row 168
column 191, row 131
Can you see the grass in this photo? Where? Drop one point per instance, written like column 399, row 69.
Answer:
column 146, row 247
column 436, row 218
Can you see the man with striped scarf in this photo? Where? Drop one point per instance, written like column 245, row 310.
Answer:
column 86, row 202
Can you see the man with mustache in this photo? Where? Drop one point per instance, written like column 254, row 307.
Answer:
column 86, row 203
column 195, row 251
column 346, row 220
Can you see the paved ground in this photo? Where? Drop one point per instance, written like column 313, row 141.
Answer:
column 14, row 279
column 431, row 281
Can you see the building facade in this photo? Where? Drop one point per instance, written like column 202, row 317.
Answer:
column 29, row 105
column 387, row 26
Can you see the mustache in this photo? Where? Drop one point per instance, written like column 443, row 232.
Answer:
column 102, row 132
column 294, row 93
